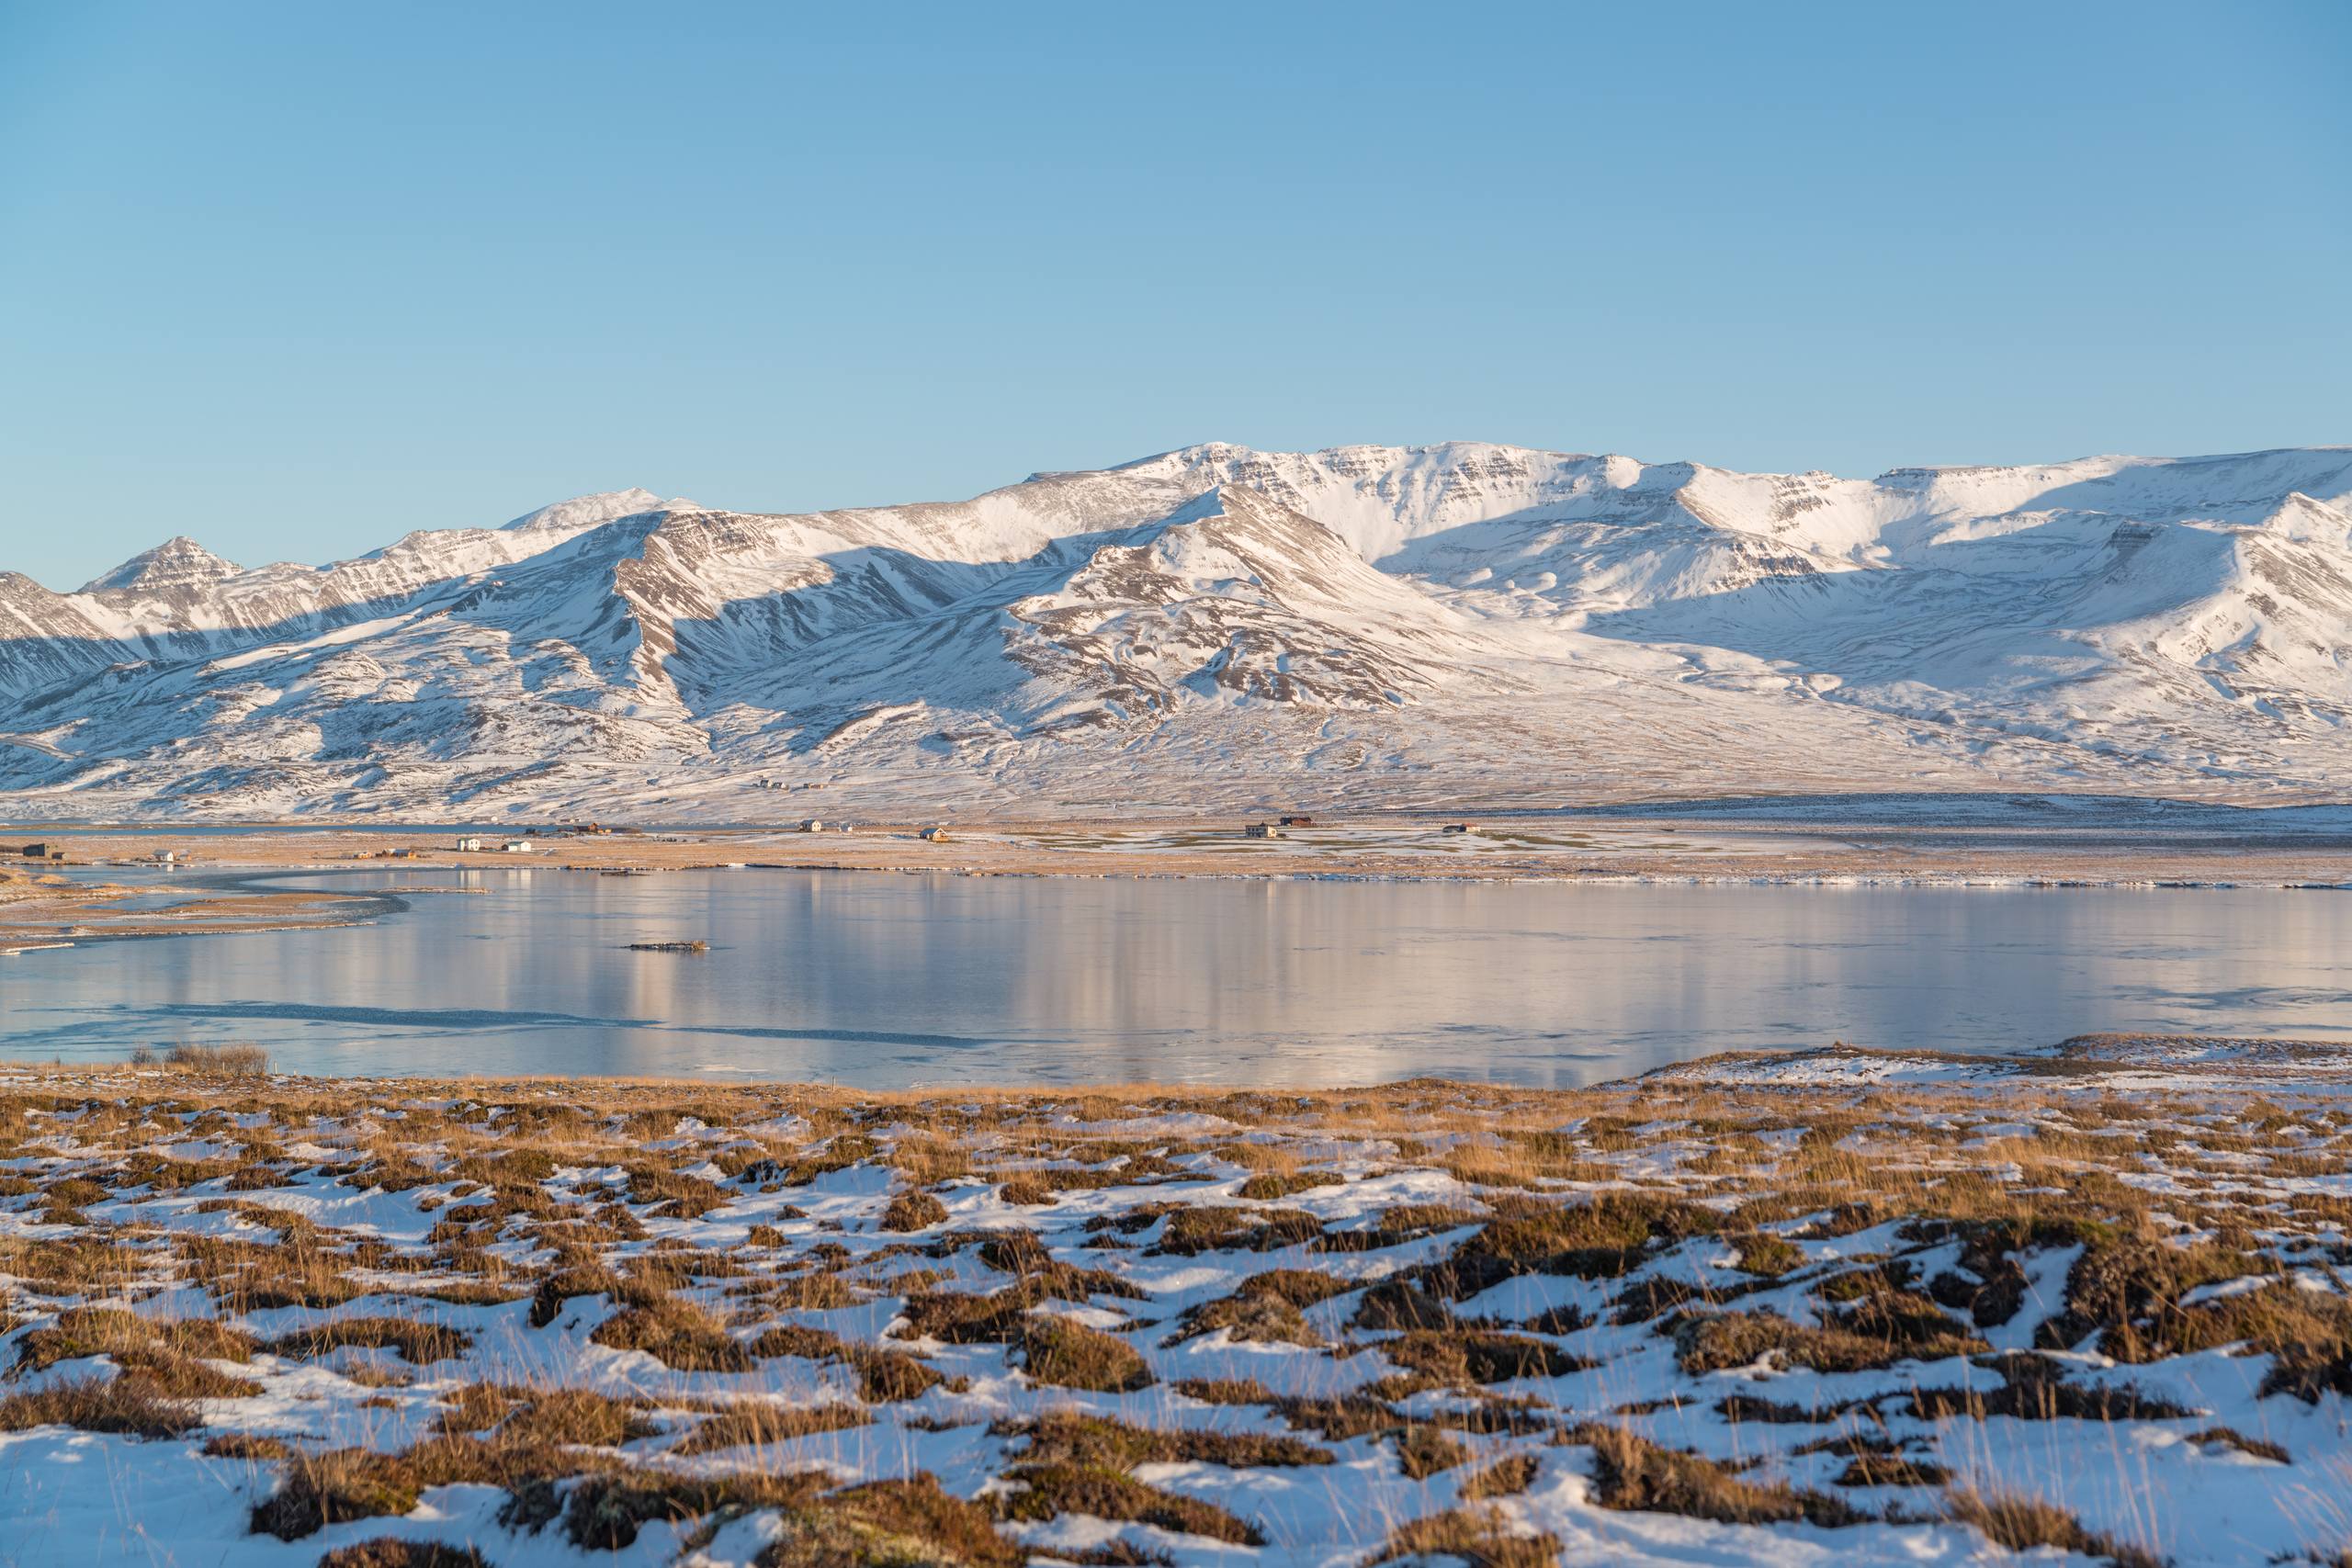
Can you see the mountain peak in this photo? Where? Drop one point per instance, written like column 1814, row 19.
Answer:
column 588, row 511
column 1399, row 621
column 178, row 562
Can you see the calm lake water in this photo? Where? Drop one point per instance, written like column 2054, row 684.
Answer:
column 886, row 980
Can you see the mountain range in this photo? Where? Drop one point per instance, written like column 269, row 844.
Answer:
column 1220, row 627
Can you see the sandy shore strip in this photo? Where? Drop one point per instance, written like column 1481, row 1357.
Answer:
column 1960, row 850
column 49, row 910
column 1855, row 1309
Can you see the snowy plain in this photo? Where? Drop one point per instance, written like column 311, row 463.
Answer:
column 2091, row 1308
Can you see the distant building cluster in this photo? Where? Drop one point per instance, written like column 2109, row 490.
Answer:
column 475, row 844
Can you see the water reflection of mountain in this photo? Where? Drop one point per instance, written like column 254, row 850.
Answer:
column 886, row 979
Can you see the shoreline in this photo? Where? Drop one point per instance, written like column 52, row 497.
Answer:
column 229, row 870
column 2252, row 1064
column 89, row 913
column 1542, row 849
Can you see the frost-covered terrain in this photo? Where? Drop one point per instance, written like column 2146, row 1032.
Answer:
column 2093, row 1308
column 1217, row 625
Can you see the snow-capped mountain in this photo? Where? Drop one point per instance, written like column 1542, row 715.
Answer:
column 1217, row 625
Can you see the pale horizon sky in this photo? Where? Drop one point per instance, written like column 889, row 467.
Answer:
column 295, row 280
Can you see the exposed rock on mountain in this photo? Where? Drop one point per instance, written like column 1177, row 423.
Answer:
column 1218, row 626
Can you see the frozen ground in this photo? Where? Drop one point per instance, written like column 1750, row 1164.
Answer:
column 1852, row 1309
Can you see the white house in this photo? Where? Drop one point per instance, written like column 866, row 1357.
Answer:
column 469, row 845
column 519, row 847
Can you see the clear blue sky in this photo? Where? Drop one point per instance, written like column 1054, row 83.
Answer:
column 294, row 279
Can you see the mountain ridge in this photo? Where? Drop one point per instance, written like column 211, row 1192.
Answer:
column 1372, row 623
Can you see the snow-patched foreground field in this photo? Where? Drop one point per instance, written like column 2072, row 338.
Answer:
column 1839, row 1309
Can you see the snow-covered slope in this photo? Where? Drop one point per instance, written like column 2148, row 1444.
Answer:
column 1218, row 626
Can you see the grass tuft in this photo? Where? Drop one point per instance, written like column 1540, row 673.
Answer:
column 232, row 1061
column 2025, row 1523
column 1048, row 1490
column 1482, row 1537
column 389, row 1552
column 1636, row 1475
column 121, row 1407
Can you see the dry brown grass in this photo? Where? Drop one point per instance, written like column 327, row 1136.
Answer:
column 1226, row 1390
column 1251, row 1318
column 1103, row 1442
column 883, row 1375
column 676, row 1193
column 1603, row 1236
column 1632, row 1472
column 1892, row 1470
column 2029, row 1387
column 389, row 1552
column 162, row 1357
column 1051, row 1490
column 419, row 1343
column 1191, row 1231
column 891, row 1524
column 1026, row 1191
column 926, row 1159
column 2023, row 1524
column 1506, row 1477
column 1422, row 1451
column 1856, row 1343
column 124, row 1406
column 1065, row 1354
column 345, row 1484
column 231, row 1062
column 556, row 1418
column 676, row 1333
column 815, row 1292
column 1479, row 1356
column 85, row 1264
column 762, row 1424
column 605, row 1512
column 248, row 1276
column 913, row 1211
column 1757, row 1183
column 2127, row 1289
column 1483, row 1537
